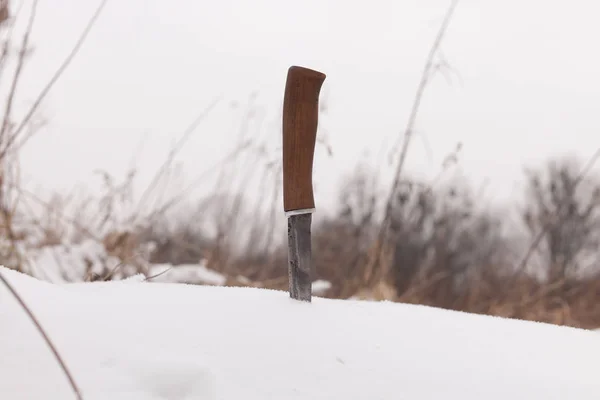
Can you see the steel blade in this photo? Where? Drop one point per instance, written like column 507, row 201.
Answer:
column 300, row 256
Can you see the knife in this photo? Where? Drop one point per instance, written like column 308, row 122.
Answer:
column 300, row 120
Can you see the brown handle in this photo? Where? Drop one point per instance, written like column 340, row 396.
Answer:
column 300, row 120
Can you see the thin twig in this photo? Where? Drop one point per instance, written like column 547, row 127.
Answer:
column 159, row 274
column 176, row 148
column 59, row 214
column 199, row 179
column 112, row 272
column 59, row 72
column 44, row 335
column 426, row 75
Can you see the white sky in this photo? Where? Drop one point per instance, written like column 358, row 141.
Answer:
column 527, row 84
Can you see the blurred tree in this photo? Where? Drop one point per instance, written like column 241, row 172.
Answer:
column 563, row 206
column 443, row 241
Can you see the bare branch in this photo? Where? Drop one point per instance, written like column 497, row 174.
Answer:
column 175, row 149
column 16, row 78
column 59, row 72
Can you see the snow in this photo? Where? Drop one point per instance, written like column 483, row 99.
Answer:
column 320, row 287
column 66, row 263
column 186, row 273
column 141, row 340
column 75, row 262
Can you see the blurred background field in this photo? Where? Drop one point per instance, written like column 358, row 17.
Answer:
column 383, row 230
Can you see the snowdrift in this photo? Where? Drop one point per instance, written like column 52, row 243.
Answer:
column 136, row 340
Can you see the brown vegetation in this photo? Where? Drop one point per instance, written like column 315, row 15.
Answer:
column 423, row 243
column 447, row 251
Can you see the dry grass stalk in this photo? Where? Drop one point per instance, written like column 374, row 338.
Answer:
column 45, row 336
column 379, row 268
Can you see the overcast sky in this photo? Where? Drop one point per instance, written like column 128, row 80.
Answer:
column 525, row 83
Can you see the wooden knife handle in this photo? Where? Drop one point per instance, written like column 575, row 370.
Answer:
column 300, row 120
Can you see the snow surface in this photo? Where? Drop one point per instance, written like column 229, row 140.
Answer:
column 139, row 341
column 186, row 273
column 70, row 263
